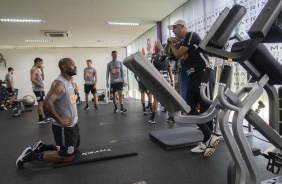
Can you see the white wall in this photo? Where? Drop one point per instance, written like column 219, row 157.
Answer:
column 22, row 61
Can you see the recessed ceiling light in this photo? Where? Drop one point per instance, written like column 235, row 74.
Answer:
column 22, row 20
column 38, row 40
column 123, row 24
column 105, row 41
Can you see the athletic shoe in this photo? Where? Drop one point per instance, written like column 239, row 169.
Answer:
column 6, row 108
column 148, row 108
column 86, row 108
column 115, row 110
column 199, row 149
column 23, row 157
column 152, row 121
column 170, row 120
column 37, row 145
column 211, row 145
column 48, row 119
column 144, row 113
column 40, row 121
column 96, row 107
column 164, row 110
column 123, row 110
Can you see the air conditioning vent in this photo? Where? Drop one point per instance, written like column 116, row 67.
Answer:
column 56, row 34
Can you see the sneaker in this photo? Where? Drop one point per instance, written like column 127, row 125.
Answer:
column 170, row 120
column 115, row 110
column 23, row 157
column 86, row 108
column 123, row 110
column 199, row 149
column 37, row 145
column 144, row 113
column 40, row 121
column 211, row 145
column 48, row 119
column 152, row 121
column 96, row 107
column 164, row 110
column 148, row 108
column 6, row 108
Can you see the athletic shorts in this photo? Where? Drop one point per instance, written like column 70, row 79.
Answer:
column 66, row 139
column 142, row 88
column 88, row 88
column 11, row 92
column 39, row 95
column 116, row 87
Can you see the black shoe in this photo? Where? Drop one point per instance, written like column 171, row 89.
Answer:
column 123, row 110
column 144, row 113
column 23, row 157
column 115, row 110
column 37, row 145
column 170, row 120
column 96, row 107
column 86, row 108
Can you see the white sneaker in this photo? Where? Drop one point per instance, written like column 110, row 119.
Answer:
column 211, row 145
column 199, row 149
column 152, row 121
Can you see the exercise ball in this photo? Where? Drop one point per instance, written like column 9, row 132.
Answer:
column 28, row 100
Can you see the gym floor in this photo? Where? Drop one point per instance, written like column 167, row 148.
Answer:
column 152, row 165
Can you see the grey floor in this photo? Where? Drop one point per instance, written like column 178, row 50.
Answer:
column 152, row 165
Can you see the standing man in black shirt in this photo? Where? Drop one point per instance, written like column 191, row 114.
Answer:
column 164, row 67
column 185, row 44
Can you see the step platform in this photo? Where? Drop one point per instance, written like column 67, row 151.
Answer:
column 100, row 153
column 177, row 137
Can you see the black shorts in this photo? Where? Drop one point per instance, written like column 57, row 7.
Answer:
column 88, row 88
column 39, row 95
column 116, row 87
column 11, row 92
column 66, row 139
column 142, row 88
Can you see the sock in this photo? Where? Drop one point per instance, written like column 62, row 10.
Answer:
column 144, row 108
column 46, row 114
column 78, row 95
column 153, row 115
column 121, row 106
column 41, row 117
column 150, row 105
column 87, row 104
column 45, row 147
column 115, row 106
column 35, row 156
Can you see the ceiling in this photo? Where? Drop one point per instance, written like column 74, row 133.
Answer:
column 84, row 19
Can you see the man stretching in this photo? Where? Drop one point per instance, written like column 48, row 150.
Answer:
column 60, row 103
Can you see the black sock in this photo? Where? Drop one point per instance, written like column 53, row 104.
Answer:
column 35, row 156
column 115, row 106
column 46, row 114
column 78, row 95
column 45, row 147
column 144, row 108
column 121, row 106
column 150, row 105
column 153, row 115
column 41, row 117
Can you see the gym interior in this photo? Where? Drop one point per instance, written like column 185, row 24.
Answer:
column 124, row 147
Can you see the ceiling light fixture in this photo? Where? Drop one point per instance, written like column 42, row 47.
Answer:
column 21, row 21
column 104, row 41
column 38, row 40
column 123, row 24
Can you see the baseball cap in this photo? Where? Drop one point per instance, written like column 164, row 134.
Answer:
column 177, row 22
